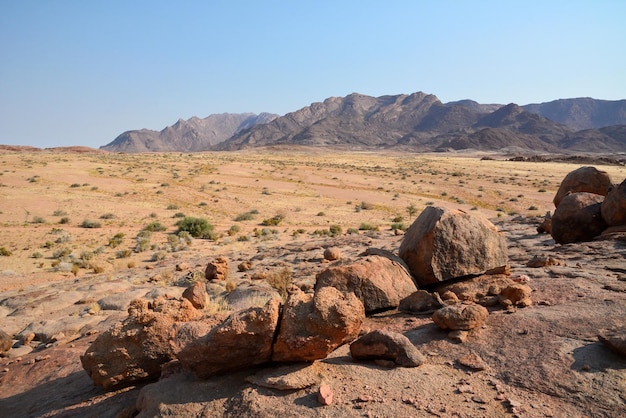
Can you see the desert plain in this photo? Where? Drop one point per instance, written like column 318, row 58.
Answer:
column 73, row 232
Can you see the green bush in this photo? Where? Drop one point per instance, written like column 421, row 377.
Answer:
column 273, row 221
column 4, row 252
column 197, row 227
column 155, row 227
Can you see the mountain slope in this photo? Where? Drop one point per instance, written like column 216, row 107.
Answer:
column 190, row 135
column 582, row 113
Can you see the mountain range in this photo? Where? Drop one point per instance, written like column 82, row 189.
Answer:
column 418, row 122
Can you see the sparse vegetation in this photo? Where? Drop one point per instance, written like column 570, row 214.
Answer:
column 280, row 280
column 197, row 227
column 90, row 224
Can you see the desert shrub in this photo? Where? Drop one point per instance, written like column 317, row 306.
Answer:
column 321, row 214
column 37, row 255
column 280, row 280
column 64, row 220
column 542, row 190
column 201, row 204
column 273, row 221
column 172, row 206
column 533, row 207
column 90, row 224
column 97, row 269
column 38, row 220
column 116, row 240
column 367, row 227
column 398, row 226
column 74, row 185
column 142, row 244
column 216, row 305
column 367, row 205
column 125, row 253
column 4, row 252
column 234, row 230
column 230, row 286
column 398, row 219
column 243, row 238
column 61, row 253
column 158, row 256
column 197, row 227
column 86, row 255
column 107, row 216
column 186, row 237
column 59, row 212
column 246, row 216
column 178, row 215
column 335, row 230
column 155, row 227
column 351, row 231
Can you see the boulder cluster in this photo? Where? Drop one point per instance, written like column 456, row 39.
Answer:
column 451, row 253
column 588, row 205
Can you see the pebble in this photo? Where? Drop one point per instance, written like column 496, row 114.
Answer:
column 325, row 394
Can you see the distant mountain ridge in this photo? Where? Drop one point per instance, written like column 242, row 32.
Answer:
column 418, row 122
column 190, row 135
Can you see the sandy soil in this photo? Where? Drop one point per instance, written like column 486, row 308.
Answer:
column 542, row 361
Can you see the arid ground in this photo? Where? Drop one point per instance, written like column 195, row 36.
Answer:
column 71, row 227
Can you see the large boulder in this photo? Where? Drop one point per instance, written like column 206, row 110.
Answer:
column 578, row 218
column 444, row 244
column 312, row 326
column 583, row 179
column 244, row 339
column 613, row 206
column 134, row 350
column 380, row 280
column 386, row 345
column 197, row 295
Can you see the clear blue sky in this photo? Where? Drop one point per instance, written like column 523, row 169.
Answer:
column 82, row 72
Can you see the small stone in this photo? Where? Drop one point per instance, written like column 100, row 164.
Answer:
column 325, row 395
column 465, row 389
column 332, row 254
column 459, row 336
column 472, row 361
column 514, row 403
column 478, row 399
column 365, row 398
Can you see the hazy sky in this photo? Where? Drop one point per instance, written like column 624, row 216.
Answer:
column 82, row 72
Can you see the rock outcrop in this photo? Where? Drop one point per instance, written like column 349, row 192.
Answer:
column 578, row 218
column 584, row 179
column 134, row 350
column 380, row 280
column 613, row 206
column 217, row 269
column 444, row 244
column 314, row 325
column 387, row 345
column 244, row 339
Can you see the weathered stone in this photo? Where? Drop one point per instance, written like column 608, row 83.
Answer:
column 444, row 244
column 543, row 261
column 291, row 377
column 613, row 206
column 420, row 301
column 312, row 326
column 461, row 316
column 516, row 294
column 545, row 227
column 217, row 269
column 615, row 340
column 244, row 339
column 197, row 295
column 379, row 282
column 583, row 179
column 472, row 361
column 6, row 342
column 387, row 345
column 332, row 254
column 578, row 218
column 325, row 395
column 134, row 350
column 244, row 266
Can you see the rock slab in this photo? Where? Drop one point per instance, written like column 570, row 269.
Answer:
column 387, row 345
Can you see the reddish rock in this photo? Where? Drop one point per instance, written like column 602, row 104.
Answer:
column 420, row 301
column 325, row 395
column 387, row 345
column 615, row 340
column 244, row 266
column 217, row 269
column 613, row 206
column 197, row 295
column 380, row 282
column 583, row 179
column 444, row 244
column 332, row 254
column 5, row 342
column 472, row 361
column 546, row 225
column 461, row 316
column 312, row 326
column 516, row 294
column 578, row 218
column 244, row 339
column 134, row 350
